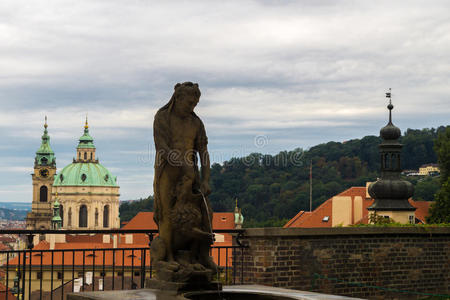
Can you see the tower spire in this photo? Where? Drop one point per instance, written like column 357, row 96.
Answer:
column 390, row 106
column 86, row 125
column 45, row 154
column 86, row 148
column 391, row 193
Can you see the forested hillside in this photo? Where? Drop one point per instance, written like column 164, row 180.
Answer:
column 272, row 188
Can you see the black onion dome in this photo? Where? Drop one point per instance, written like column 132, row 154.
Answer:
column 391, row 189
column 390, row 131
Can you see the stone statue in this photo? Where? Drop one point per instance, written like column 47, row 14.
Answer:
column 180, row 253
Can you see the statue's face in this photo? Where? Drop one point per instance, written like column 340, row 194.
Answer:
column 186, row 103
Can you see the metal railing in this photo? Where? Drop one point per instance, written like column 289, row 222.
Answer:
column 39, row 273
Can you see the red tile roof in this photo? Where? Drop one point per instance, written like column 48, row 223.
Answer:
column 422, row 209
column 315, row 219
column 144, row 220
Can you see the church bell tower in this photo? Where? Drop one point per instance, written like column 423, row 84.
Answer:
column 40, row 216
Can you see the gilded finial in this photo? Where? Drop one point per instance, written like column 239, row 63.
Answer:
column 45, row 123
column 86, row 126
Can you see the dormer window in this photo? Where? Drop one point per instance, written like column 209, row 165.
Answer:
column 61, row 177
column 83, row 177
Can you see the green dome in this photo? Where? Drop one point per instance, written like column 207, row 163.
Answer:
column 85, row 174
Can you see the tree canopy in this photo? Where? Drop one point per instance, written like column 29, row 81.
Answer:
column 440, row 210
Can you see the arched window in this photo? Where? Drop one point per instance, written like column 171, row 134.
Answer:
column 79, row 155
column 387, row 161
column 61, row 214
column 96, row 217
column 69, row 217
column 106, row 216
column 43, row 194
column 83, row 217
column 91, row 155
column 85, row 155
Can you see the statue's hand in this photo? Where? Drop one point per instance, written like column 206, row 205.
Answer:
column 206, row 190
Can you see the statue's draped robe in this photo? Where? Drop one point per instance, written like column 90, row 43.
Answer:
column 162, row 133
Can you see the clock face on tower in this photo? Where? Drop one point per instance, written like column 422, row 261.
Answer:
column 43, row 173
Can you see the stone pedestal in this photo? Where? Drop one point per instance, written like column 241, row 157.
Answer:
column 180, row 287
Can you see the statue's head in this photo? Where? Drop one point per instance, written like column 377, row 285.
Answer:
column 186, row 97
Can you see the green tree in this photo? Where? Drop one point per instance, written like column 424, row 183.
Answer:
column 440, row 210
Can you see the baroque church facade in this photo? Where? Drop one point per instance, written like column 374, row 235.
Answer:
column 86, row 192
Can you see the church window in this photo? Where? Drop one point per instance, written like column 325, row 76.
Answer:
column 83, row 177
column 43, row 194
column 61, row 177
column 106, row 216
column 83, row 216
column 91, row 155
column 85, row 155
column 96, row 216
column 61, row 214
column 106, row 177
column 79, row 155
column 69, row 217
column 44, row 161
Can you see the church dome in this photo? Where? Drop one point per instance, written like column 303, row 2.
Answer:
column 85, row 174
column 390, row 131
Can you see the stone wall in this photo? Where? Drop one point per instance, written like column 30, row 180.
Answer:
column 375, row 263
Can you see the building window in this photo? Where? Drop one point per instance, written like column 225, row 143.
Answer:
column 326, row 219
column 91, row 155
column 69, row 217
column 43, row 194
column 106, row 216
column 137, row 273
column 38, row 275
column 60, row 275
column 83, row 216
column 85, row 155
column 119, row 273
column 412, row 220
column 61, row 214
column 96, row 216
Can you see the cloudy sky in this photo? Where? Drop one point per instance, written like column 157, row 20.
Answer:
column 297, row 73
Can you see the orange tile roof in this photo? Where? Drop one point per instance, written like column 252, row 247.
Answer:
column 297, row 219
column 144, row 220
column 422, row 209
column 314, row 219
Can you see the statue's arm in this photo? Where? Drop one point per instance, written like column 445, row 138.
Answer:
column 161, row 137
column 202, row 148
